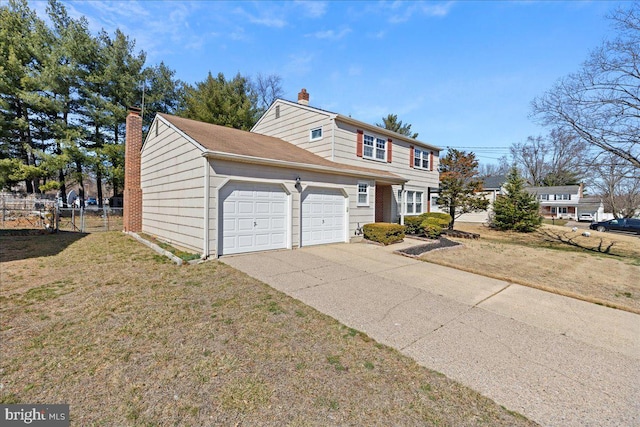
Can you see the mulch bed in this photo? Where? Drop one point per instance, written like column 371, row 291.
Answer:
column 461, row 234
column 441, row 243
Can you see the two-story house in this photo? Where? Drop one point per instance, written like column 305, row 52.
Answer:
column 348, row 141
column 302, row 177
column 559, row 201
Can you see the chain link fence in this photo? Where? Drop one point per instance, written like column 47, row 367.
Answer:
column 35, row 213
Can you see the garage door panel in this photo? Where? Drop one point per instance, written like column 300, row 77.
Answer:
column 254, row 217
column 323, row 217
column 244, row 224
column 245, row 207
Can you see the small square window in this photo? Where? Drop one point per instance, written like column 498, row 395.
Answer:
column 315, row 134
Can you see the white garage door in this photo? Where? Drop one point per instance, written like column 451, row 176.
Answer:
column 323, row 217
column 254, row 217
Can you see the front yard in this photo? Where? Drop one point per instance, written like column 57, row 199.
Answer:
column 125, row 337
column 603, row 268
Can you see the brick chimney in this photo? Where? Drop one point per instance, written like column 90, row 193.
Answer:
column 132, row 215
column 303, row 97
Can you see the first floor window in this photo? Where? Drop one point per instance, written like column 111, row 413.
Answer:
column 413, row 202
column 363, row 194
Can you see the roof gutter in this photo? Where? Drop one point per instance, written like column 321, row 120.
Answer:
column 295, row 165
column 396, row 135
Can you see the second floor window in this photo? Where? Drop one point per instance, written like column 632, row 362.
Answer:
column 315, row 134
column 374, row 148
column 420, row 159
column 563, row 196
column 543, row 197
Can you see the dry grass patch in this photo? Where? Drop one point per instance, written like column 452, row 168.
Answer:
column 602, row 268
column 126, row 337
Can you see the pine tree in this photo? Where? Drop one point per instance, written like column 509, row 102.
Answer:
column 518, row 210
column 227, row 103
column 391, row 123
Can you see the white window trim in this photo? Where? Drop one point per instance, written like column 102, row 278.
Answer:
column 423, row 154
column 359, row 203
column 374, row 148
column 311, row 138
column 404, row 202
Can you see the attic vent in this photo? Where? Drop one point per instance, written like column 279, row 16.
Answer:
column 277, row 111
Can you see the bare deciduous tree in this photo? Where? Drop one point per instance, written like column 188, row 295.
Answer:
column 530, row 157
column 601, row 102
column 558, row 159
column 495, row 169
column 268, row 88
column 618, row 184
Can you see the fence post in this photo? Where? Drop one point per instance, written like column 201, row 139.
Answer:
column 81, row 219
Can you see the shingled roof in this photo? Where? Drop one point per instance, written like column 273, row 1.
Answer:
column 245, row 145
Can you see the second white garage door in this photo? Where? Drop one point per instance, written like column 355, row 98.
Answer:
column 254, row 217
column 323, row 217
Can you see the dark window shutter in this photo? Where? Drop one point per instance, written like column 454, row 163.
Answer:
column 411, row 154
column 389, row 145
column 359, row 143
column 431, row 161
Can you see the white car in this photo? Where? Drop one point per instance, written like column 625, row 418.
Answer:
column 585, row 217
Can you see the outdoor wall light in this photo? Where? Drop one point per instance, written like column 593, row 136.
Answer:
column 298, row 185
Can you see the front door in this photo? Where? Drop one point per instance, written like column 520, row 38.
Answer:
column 381, row 191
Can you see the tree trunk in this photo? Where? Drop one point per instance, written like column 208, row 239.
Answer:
column 63, row 188
column 80, row 182
column 99, row 184
column 452, row 214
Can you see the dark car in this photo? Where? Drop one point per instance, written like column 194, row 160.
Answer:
column 92, row 201
column 630, row 225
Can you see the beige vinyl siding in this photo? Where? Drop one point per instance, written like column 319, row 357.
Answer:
column 172, row 181
column 225, row 170
column 419, row 180
column 294, row 125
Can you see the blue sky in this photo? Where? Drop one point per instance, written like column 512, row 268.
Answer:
column 462, row 74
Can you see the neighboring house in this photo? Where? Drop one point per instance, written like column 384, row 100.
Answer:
column 492, row 187
column 593, row 205
column 220, row 191
column 558, row 202
column 351, row 142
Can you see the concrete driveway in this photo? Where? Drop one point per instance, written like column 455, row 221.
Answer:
column 557, row 360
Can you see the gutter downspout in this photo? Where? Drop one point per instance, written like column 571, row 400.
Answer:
column 402, row 206
column 207, row 202
column 333, row 138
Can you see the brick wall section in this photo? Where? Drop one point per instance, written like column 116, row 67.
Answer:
column 132, row 215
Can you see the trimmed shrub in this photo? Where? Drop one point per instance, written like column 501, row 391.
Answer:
column 383, row 232
column 441, row 218
column 413, row 224
column 432, row 231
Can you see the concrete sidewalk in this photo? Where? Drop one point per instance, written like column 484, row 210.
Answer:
column 557, row 360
